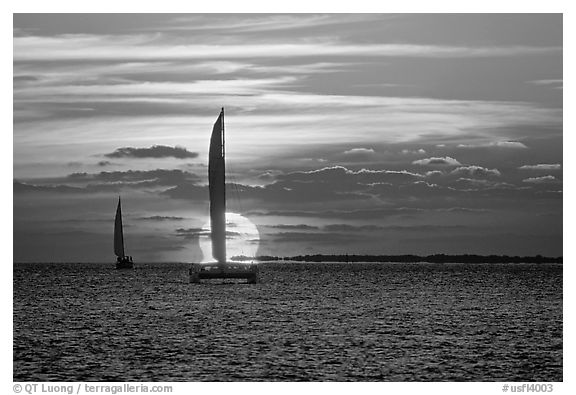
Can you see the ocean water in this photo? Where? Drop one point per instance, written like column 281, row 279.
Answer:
column 304, row 321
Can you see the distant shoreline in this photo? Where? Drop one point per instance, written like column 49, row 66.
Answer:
column 437, row 258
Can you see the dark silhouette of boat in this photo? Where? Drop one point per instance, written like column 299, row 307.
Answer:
column 122, row 261
column 217, row 188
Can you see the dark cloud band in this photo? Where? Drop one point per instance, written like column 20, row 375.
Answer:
column 156, row 151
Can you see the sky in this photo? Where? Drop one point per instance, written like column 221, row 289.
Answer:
column 345, row 133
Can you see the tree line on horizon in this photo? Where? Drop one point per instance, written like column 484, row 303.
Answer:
column 436, row 258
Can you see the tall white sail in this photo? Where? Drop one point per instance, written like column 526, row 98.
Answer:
column 217, row 187
column 118, row 235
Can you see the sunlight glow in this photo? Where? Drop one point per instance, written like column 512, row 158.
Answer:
column 242, row 238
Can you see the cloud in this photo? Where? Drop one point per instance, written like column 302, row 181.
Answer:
column 191, row 233
column 446, row 161
column 331, row 186
column 145, row 177
column 277, row 91
column 156, row 151
column 476, row 171
column 546, row 82
column 471, row 182
column 510, row 144
column 160, row 218
column 434, row 173
column 195, row 233
column 341, row 176
column 329, row 238
column 395, row 228
column 497, row 144
column 269, row 175
column 264, row 23
column 188, row 192
column 370, row 213
column 555, row 166
column 463, row 210
column 20, row 187
column 190, row 230
column 352, row 228
column 110, row 181
column 475, row 185
column 414, row 152
column 152, row 108
column 290, row 189
column 24, row 78
column 294, row 227
column 147, row 47
column 155, row 92
column 421, row 189
column 541, row 180
column 338, row 234
column 359, row 151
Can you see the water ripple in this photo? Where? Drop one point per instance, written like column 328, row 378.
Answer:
column 304, row 322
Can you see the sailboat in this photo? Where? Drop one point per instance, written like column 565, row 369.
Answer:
column 217, row 190
column 122, row 261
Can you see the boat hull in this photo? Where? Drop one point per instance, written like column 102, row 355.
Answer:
column 248, row 272
column 124, row 265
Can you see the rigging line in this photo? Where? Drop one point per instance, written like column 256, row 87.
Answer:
column 235, row 194
column 236, row 199
column 231, row 175
column 235, row 189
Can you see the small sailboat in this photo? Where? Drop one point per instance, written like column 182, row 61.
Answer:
column 122, row 261
column 217, row 188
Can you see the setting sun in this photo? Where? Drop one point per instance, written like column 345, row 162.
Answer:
column 242, row 238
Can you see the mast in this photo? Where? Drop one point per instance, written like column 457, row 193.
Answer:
column 224, row 167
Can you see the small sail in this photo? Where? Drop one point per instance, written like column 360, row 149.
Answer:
column 217, row 187
column 118, row 235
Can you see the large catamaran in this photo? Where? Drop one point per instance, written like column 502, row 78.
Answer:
column 217, row 188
